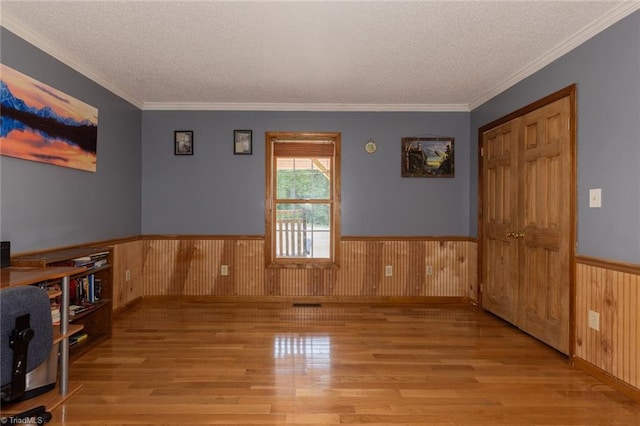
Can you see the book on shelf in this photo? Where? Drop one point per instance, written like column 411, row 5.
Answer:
column 75, row 310
column 100, row 255
column 97, row 283
column 83, row 261
column 53, row 291
column 55, row 315
column 99, row 263
column 95, row 260
column 91, row 288
column 77, row 338
column 85, row 289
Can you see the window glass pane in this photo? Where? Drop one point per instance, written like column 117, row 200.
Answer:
column 319, row 218
column 303, row 178
column 303, row 230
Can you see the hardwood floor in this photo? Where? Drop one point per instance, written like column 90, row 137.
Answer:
column 196, row 362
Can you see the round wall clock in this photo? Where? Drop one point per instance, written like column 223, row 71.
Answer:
column 370, row 146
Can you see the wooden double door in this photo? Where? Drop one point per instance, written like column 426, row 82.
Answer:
column 527, row 221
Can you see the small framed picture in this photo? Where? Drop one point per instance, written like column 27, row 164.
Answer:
column 183, row 142
column 242, row 143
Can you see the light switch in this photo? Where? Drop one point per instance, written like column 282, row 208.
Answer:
column 595, row 198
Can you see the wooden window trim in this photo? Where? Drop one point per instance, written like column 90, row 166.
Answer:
column 292, row 144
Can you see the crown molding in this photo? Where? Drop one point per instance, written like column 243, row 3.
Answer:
column 43, row 44
column 561, row 49
column 309, row 107
column 63, row 56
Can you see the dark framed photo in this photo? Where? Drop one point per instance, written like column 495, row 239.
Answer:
column 242, row 142
column 427, row 157
column 183, row 142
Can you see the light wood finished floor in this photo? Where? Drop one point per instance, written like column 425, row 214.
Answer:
column 194, row 362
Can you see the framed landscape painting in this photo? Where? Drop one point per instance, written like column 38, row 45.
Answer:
column 40, row 123
column 427, row 157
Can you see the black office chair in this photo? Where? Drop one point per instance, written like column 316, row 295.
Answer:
column 28, row 364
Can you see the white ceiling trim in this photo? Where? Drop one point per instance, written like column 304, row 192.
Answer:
column 561, row 49
column 65, row 57
column 204, row 106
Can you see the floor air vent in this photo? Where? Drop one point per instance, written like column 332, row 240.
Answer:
column 306, row 305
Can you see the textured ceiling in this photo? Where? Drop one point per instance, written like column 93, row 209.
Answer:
column 309, row 55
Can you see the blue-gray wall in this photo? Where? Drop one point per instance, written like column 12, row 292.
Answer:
column 44, row 206
column 141, row 187
column 606, row 70
column 217, row 192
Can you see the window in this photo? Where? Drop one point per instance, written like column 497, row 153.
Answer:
column 302, row 199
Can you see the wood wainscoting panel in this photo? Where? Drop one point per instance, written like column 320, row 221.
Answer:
column 127, row 256
column 614, row 294
column 248, row 270
column 305, row 282
column 453, row 265
column 192, row 267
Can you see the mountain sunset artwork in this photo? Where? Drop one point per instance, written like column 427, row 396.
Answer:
column 40, row 123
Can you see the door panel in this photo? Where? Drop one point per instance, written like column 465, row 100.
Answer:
column 500, row 293
column 527, row 171
column 544, row 288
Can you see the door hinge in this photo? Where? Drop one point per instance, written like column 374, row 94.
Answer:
column 481, row 151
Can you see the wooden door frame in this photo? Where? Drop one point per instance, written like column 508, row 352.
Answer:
column 569, row 91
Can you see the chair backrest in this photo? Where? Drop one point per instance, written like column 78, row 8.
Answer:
column 16, row 302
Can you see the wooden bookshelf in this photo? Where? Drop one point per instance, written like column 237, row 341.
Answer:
column 15, row 276
column 59, row 336
column 29, row 275
column 96, row 320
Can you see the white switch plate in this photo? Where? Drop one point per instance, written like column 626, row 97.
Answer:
column 224, row 270
column 594, row 320
column 595, row 198
column 388, row 271
column 429, row 270
column 127, row 275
